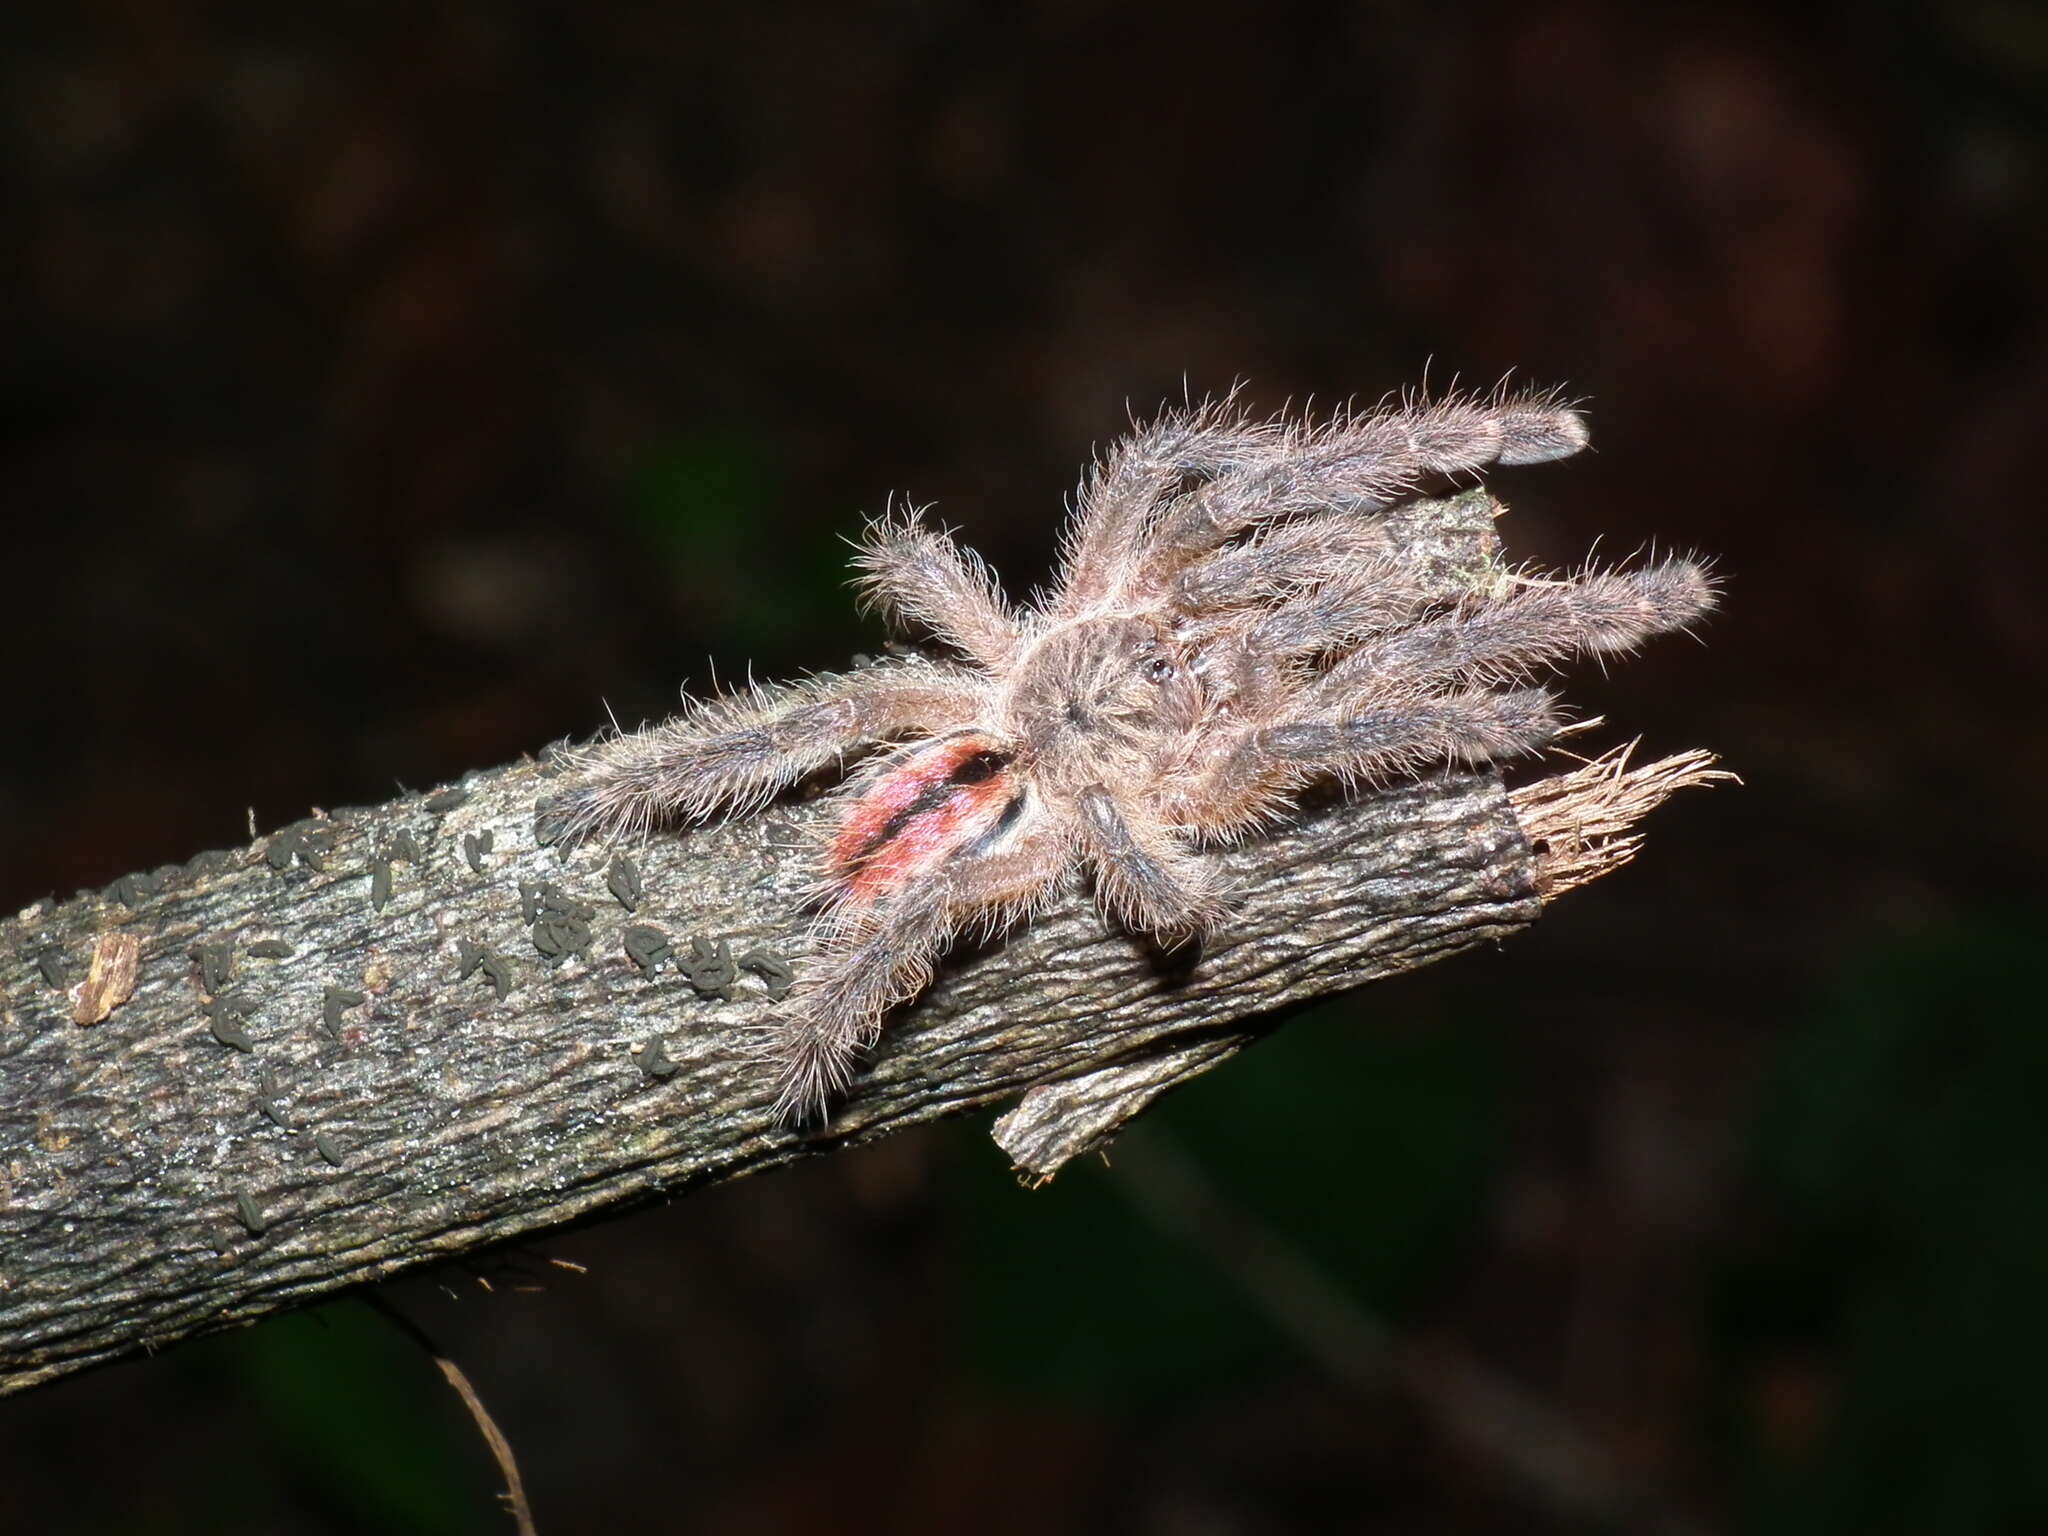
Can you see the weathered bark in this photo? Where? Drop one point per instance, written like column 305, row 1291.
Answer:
column 304, row 1091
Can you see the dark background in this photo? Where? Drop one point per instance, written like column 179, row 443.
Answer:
column 386, row 388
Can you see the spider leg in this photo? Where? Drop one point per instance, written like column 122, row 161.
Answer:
column 1109, row 532
column 1361, row 599
column 1144, row 877
column 917, row 573
column 1506, row 637
column 730, row 754
column 1251, row 655
column 1282, row 561
column 872, row 957
column 1359, row 463
column 1378, row 736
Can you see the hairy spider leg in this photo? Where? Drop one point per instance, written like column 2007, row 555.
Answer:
column 873, row 955
column 1110, row 529
column 1362, row 599
column 1144, row 874
column 1243, row 774
column 1359, row 464
column 1509, row 636
column 735, row 753
column 1284, row 560
column 918, row 574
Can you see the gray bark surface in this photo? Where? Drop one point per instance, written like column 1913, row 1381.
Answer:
column 140, row 1156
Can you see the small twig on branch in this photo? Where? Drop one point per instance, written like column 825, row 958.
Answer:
column 494, row 1438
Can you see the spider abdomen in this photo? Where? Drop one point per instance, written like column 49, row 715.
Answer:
column 931, row 803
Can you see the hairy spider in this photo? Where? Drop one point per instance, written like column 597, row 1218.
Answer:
column 1233, row 619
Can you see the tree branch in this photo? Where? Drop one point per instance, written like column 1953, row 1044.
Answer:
column 393, row 1035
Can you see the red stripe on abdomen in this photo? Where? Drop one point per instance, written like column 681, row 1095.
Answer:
column 919, row 814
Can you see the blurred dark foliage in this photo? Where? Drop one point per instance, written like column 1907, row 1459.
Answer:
column 388, row 386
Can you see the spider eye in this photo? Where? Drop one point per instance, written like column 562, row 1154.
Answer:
column 1159, row 669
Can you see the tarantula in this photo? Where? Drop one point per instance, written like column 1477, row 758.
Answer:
column 1232, row 620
